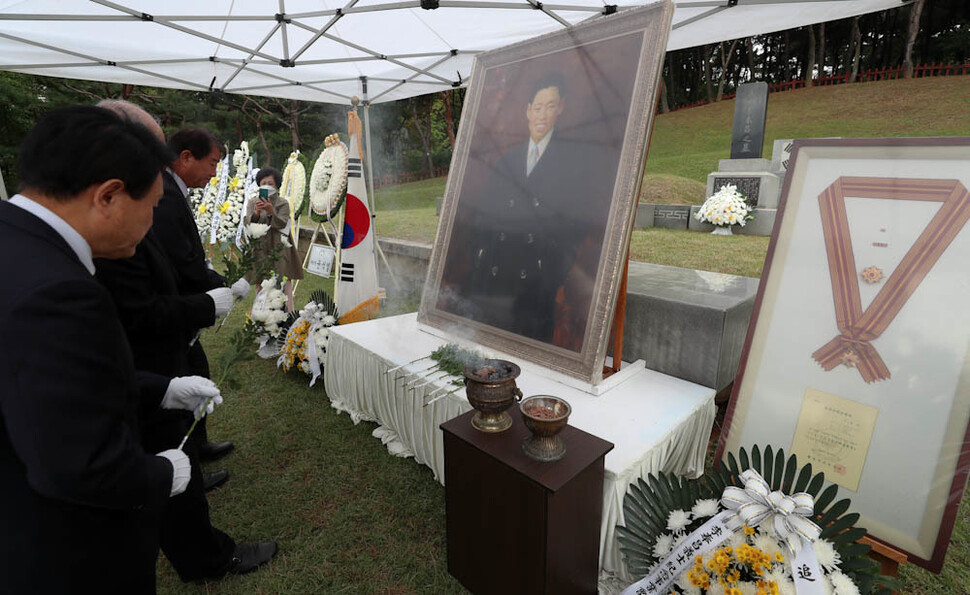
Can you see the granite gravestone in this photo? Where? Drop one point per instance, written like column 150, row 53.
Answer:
column 748, row 134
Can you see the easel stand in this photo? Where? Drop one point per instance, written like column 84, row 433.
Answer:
column 888, row 557
column 619, row 317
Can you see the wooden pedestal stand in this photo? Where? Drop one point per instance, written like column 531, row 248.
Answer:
column 889, row 558
column 619, row 317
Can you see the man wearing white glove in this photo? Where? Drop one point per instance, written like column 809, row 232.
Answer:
column 192, row 393
column 222, row 298
column 80, row 497
column 181, row 469
column 240, row 289
column 164, row 300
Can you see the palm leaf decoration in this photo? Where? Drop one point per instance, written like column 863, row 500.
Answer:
column 322, row 298
column 649, row 502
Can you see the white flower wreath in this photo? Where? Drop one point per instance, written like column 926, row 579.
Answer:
column 329, row 179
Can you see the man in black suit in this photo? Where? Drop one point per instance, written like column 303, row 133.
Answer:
column 80, row 497
column 160, row 325
column 197, row 154
column 525, row 220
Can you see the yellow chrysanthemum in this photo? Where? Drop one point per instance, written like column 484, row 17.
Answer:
column 203, row 208
column 225, row 207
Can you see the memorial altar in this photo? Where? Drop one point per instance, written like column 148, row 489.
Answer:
column 656, row 422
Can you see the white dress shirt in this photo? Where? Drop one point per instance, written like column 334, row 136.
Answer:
column 541, row 146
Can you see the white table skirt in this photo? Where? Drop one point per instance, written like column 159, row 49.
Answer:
column 656, row 422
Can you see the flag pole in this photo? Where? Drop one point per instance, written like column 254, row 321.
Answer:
column 372, row 198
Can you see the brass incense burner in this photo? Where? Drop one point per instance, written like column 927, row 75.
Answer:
column 545, row 417
column 490, row 387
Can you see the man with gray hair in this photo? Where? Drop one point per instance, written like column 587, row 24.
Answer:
column 160, row 324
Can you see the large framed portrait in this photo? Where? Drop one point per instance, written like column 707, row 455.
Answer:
column 539, row 204
column 857, row 359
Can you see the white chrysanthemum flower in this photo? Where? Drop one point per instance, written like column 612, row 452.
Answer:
column 329, row 320
column 748, row 588
column 786, row 587
column 305, row 367
column 736, row 540
column 256, row 230
column 715, row 589
column 678, row 520
column 663, row 546
column 704, row 508
column 827, row 586
column 767, row 543
column 842, row 584
column 268, row 283
column 828, row 558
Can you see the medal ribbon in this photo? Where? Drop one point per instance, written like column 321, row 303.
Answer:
column 857, row 327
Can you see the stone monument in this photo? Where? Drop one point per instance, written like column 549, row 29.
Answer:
column 746, row 168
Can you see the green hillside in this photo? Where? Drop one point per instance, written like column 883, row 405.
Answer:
column 687, row 144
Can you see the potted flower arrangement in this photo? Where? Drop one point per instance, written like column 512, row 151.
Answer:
column 305, row 344
column 725, row 208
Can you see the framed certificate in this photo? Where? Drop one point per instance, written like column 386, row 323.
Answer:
column 857, row 359
column 320, row 262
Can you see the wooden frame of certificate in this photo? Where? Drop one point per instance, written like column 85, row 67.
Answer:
column 539, row 206
column 857, row 358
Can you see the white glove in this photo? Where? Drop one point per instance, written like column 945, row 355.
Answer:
column 192, row 393
column 240, row 289
column 181, row 470
column 208, row 265
column 222, row 296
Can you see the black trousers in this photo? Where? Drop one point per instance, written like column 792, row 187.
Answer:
column 195, row 548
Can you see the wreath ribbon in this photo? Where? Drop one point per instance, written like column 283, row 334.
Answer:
column 755, row 504
column 857, row 327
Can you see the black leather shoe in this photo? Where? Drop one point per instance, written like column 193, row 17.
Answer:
column 211, row 451
column 211, row 481
column 249, row 556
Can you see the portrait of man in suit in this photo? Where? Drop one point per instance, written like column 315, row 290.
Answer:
column 532, row 226
column 537, row 214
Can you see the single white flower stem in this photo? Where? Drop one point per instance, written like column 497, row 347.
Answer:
column 431, row 379
column 208, row 402
column 396, row 368
column 226, row 317
column 451, row 392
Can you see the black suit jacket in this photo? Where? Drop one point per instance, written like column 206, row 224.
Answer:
column 176, row 232
column 78, row 495
column 159, row 322
column 519, row 236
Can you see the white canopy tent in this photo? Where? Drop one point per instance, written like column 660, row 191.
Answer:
column 325, row 50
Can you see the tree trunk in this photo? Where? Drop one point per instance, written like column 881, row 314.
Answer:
column 428, row 128
column 810, row 65
column 449, row 119
column 424, row 136
column 915, row 10
column 856, row 49
column 295, row 124
column 749, row 42
column 821, row 50
column 664, row 106
column 725, row 60
column 786, row 56
column 707, row 73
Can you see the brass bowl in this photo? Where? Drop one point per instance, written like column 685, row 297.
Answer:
column 492, row 393
column 545, row 416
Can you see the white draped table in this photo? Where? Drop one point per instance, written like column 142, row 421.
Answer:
column 656, row 422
